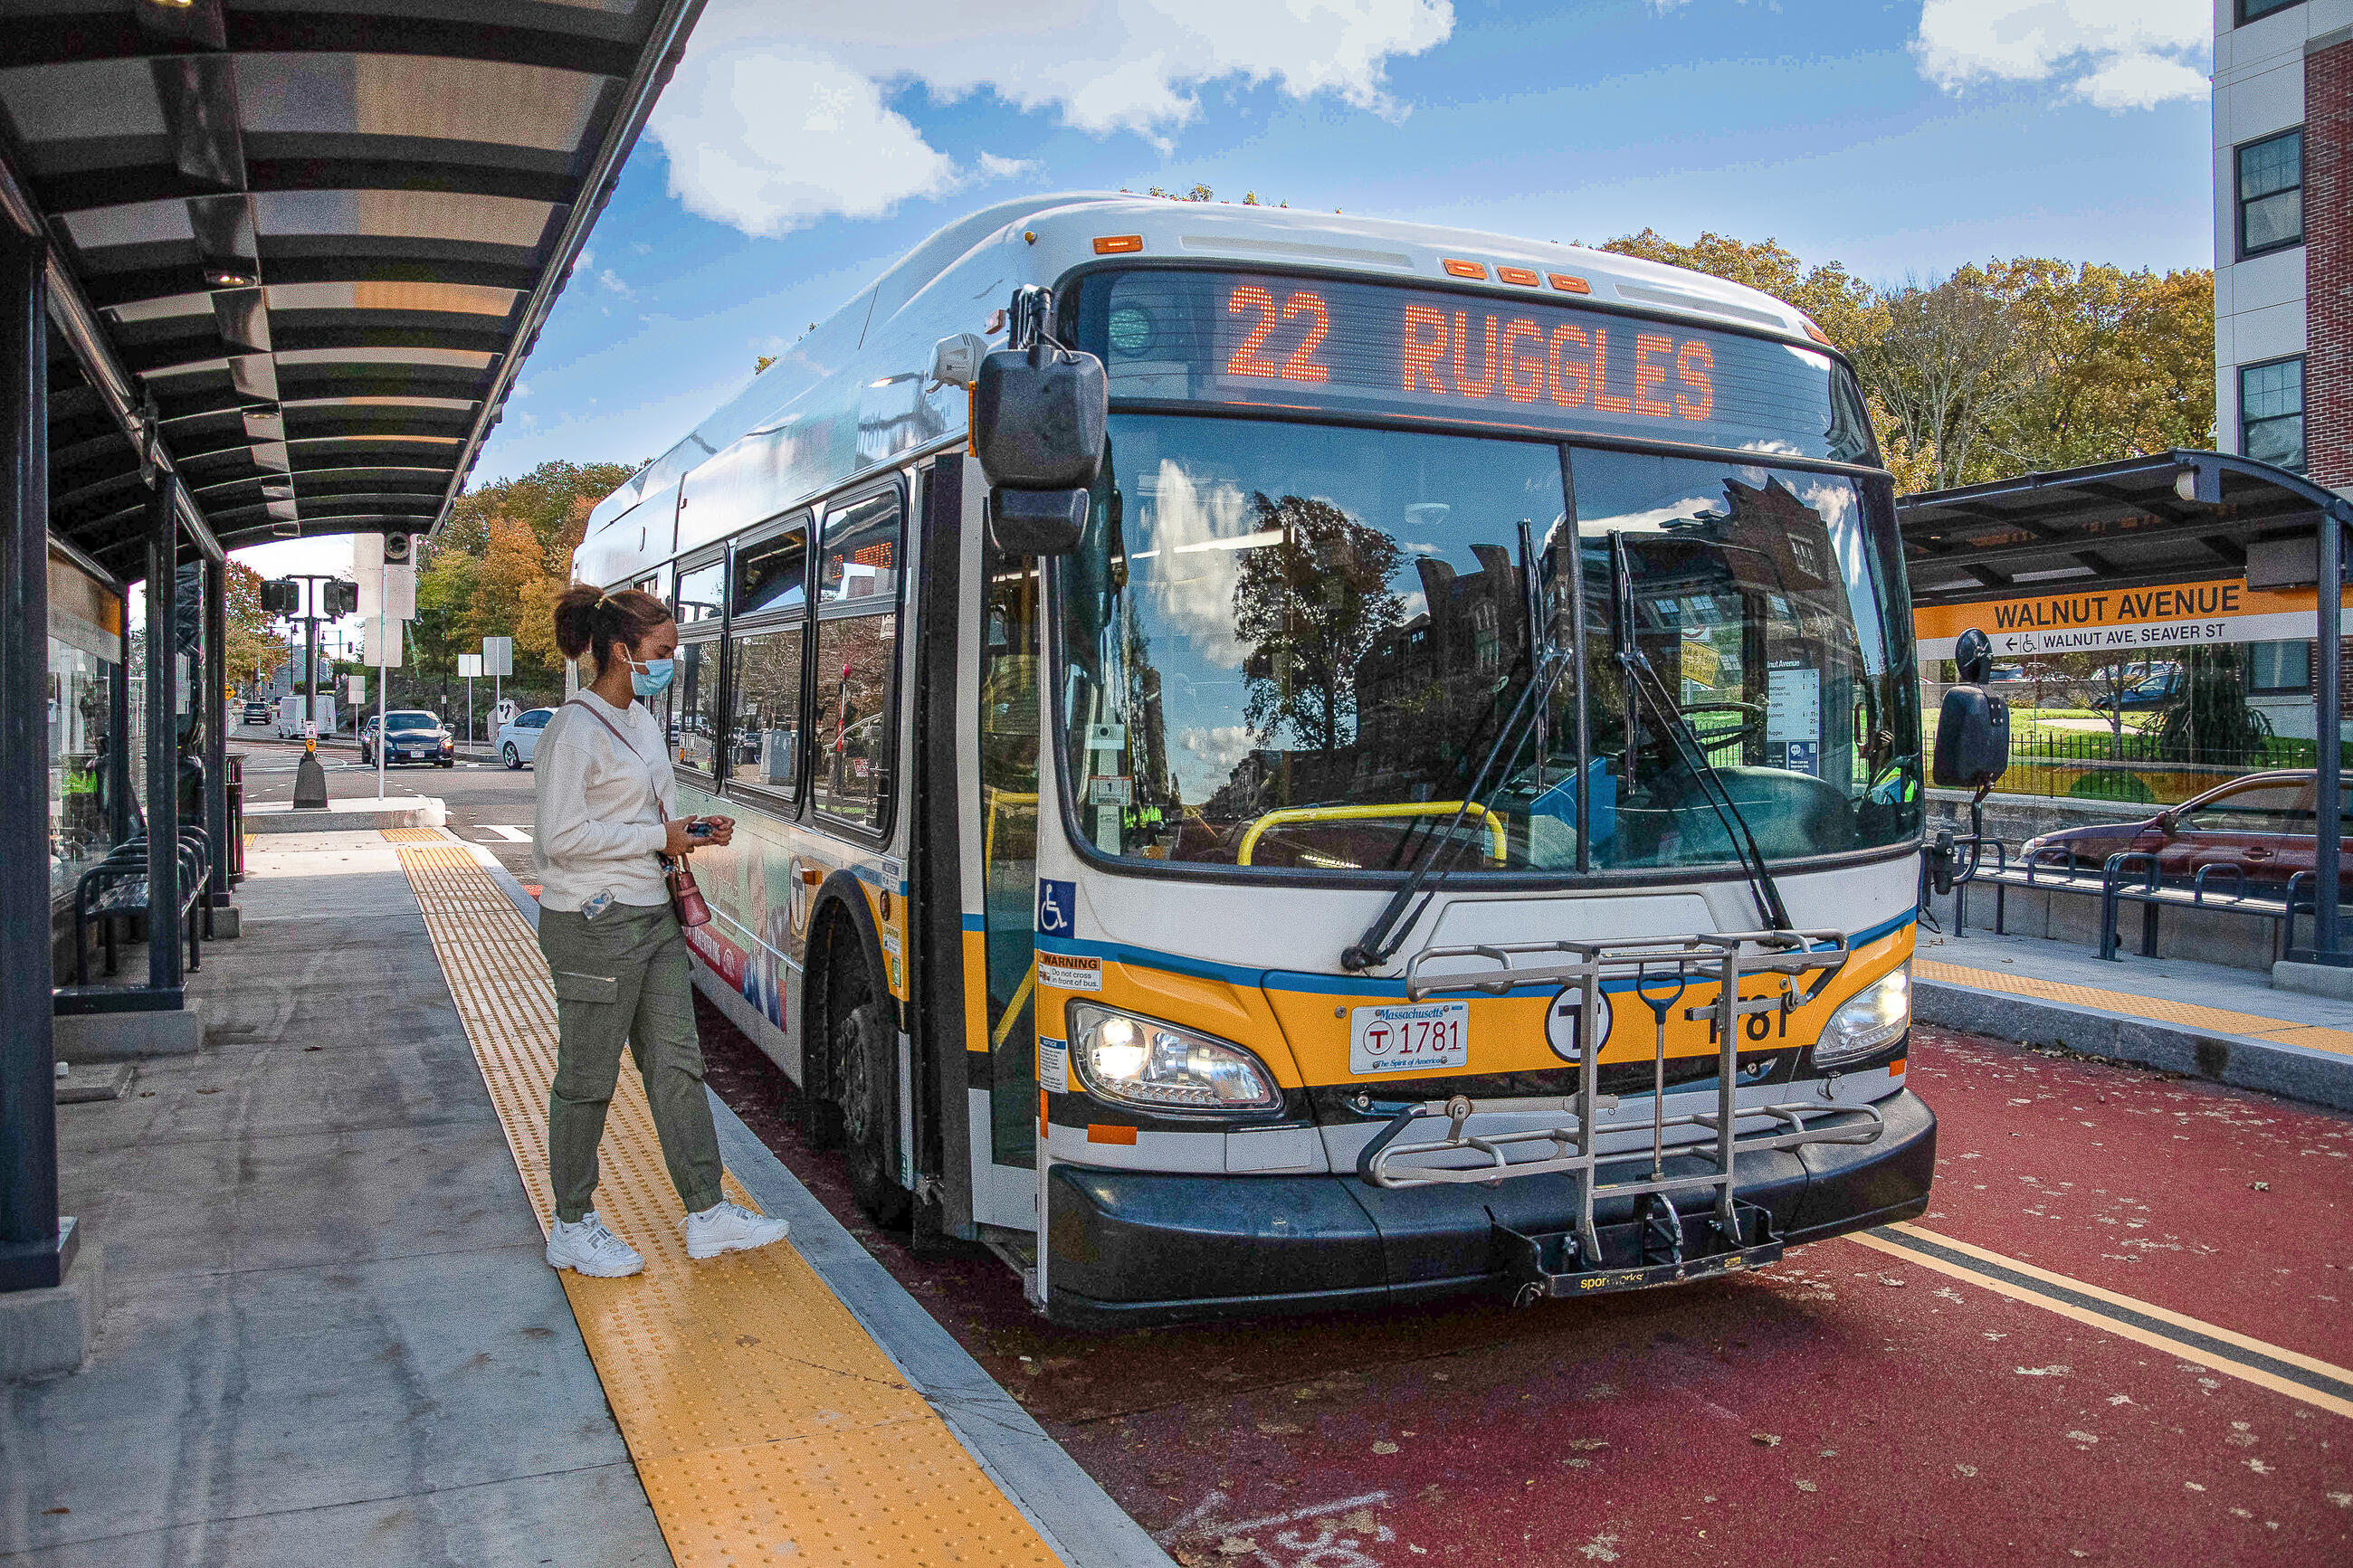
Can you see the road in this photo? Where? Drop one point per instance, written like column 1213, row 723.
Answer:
column 2117, row 1337
column 488, row 804
column 2086, row 1351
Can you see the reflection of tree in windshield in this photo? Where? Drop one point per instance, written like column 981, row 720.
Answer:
column 1308, row 607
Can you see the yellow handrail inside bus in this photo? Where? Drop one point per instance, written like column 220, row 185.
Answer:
column 1495, row 834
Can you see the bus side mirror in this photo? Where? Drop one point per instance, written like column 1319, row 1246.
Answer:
column 1972, row 739
column 1039, row 417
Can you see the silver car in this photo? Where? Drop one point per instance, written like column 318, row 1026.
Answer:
column 519, row 737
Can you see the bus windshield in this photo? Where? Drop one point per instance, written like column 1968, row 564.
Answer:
column 1292, row 646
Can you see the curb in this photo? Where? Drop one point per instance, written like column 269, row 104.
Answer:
column 2242, row 1061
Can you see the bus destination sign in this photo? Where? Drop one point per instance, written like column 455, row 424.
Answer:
column 1377, row 347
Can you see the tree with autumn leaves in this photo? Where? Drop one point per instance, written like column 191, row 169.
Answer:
column 496, row 570
column 2010, row 367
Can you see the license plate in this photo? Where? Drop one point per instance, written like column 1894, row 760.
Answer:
column 1409, row 1037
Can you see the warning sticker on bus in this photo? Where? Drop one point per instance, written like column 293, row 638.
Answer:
column 1409, row 1037
column 1068, row 971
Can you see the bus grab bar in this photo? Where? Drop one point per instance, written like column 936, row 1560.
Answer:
column 1496, row 837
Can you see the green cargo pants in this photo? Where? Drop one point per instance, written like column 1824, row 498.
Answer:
column 625, row 976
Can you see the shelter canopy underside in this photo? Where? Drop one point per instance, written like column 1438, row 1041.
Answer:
column 312, row 237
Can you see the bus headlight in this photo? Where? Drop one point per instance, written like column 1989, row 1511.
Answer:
column 1152, row 1066
column 1870, row 1020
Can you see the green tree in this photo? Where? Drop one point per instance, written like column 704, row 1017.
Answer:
column 1310, row 609
column 545, row 500
column 253, row 642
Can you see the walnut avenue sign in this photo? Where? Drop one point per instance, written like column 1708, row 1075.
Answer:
column 2120, row 620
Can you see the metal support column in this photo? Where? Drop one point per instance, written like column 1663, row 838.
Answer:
column 118, row 734
column 163, row 741
column 33, row 1251
column 2325, row 728
column 216, row 715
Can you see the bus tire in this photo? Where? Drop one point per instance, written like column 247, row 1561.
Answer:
column 865, row 1056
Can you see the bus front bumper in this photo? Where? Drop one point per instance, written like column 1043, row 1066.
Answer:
column 1138, row 1247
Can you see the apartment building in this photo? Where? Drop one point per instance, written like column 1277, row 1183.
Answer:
column 2284, row 234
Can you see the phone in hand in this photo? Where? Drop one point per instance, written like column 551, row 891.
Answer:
column 698, row 827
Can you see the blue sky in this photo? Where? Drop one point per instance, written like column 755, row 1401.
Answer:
column 788, row 164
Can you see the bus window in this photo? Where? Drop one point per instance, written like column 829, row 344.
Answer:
column 1008, row 839
column 857, row 658
column 1775, row 625
column 862, row 553
column 765, row 722
column 698, row 591
column 768, row 576
column 1294, row 646
column 695, row 709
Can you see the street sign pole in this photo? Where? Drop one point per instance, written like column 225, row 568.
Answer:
column 383, row 676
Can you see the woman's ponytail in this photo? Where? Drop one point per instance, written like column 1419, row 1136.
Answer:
column 589, row 621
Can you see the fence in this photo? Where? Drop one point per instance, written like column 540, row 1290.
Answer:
column 2132, row 767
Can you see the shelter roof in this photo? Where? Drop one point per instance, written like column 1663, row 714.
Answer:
column 299, row 248
column 2176, row 516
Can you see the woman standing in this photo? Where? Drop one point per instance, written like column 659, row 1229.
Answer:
column 612, row 940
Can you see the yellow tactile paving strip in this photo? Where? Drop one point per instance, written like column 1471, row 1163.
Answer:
column 766, row 1424
column 413, row 835
column 2219, row 1020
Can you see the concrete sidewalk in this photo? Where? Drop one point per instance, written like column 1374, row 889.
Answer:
column 2210, row 1020
column 329, row 1338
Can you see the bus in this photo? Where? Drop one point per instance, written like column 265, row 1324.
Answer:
column 1432, row 803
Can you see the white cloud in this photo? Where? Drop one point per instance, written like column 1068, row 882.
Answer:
column 778, row 116
column 611, row 282
column 2113, row 54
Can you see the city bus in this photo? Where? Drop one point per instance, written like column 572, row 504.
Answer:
column 1435, row 807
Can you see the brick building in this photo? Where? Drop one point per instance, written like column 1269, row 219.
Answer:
column 2283, row 266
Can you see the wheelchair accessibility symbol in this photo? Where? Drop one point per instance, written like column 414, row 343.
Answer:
column 1058, row 904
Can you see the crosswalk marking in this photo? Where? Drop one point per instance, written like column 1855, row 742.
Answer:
column 511, row 834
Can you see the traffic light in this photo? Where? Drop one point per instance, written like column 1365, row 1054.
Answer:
column 342, row 598
column 397, row 550
column 282, row 598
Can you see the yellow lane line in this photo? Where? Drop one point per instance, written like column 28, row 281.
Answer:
column 2300, row 1377
column 764, row 1421
column 2220, row 1020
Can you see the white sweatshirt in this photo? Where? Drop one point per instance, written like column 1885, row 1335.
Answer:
column 595, row 827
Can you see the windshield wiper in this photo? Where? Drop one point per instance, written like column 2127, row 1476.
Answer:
column 1387, row 933
column 1644, row 682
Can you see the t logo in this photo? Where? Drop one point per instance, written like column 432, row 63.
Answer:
column 1058, row 904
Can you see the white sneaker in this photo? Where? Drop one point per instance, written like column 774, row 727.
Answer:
column 730, row 1228
column 585, row 1247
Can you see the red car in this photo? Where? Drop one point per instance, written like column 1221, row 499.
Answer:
column 2262, row 825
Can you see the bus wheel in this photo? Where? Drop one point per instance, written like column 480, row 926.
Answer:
column 865, row 1059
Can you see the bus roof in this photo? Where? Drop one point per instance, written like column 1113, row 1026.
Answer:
column 956, row 278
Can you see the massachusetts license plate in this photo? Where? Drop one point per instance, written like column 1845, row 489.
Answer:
column 1409, row 1038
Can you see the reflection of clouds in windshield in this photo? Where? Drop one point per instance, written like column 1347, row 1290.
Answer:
column 1191, row 582
column 1208, row 756
column 1834, row 501
column 1773, row 447
column 1652, row 519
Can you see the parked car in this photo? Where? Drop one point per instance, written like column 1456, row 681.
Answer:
column 412, row 735
column 2261, row 824
column 256, row 711
column 519, row 737
column 2154, row 692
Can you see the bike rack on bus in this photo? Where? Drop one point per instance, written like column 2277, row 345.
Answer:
column 1661, row 1245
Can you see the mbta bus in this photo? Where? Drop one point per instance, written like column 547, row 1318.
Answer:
column 1287, row 760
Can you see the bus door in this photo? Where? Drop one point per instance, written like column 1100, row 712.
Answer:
column 1007, row 834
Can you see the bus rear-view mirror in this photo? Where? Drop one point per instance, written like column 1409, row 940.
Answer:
column 1972, row 739
column 1038, row 421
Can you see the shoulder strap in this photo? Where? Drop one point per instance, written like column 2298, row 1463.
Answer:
column 624, row 740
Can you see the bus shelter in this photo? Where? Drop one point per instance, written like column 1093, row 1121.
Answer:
column 266, row 271
column 2143, row 560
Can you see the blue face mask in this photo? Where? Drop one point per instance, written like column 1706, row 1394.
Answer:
column 653, row 678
